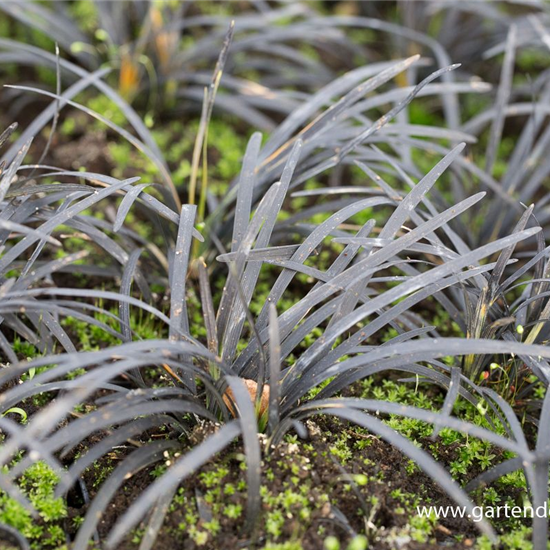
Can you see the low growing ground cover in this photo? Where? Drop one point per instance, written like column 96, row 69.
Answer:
column 273, row 275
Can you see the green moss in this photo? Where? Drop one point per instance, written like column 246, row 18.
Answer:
column 24, row 349
column 85, row 14
column 358, row 543
column 38, row 484
column 518, row 539
column 331, row 543
column 289, row 545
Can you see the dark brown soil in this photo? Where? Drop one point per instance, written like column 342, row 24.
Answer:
column 324, row 477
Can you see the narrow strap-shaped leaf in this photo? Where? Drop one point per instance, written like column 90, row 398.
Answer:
column 283, row 252
column 5, row 135
column 540, row 488
column 48, row 268
column 133, row 118
column 407, row 411
column 229, row 292
column 245, row 190
column 127, row 203
column 50, row 22
column 179, row 322
column 53, row 129
column 521, row 271
column 138, row 351
column 249, row 427
column 503, row 95
column 11, row 171
column 43, row 318
column 511, row 417
column 7, row 349
column 11, row 534
column 40, row 246
column 99, row 294
column 360, row 271
column 434, row 348
column 125, row 288
column 274, row 369
column 49, row 112
column 125, row 411
column 290, row 341
column 26, row 230
column 80, row 389
column 137, row 354
column 450, row 398
column 294, row 331
column 506, row 254
column 354, row 291
column 208, row 308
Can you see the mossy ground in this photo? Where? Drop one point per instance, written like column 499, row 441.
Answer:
column 342, row 487
column 47, row 530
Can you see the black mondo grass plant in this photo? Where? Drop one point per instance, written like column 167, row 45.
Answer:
column 366, row 267
column 160, row 53
column 156, row 56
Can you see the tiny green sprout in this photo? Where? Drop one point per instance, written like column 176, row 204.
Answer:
column 494, row 366
column 102, row 35
column 360, row 479
column 332, row 543
column 481, row 407
column 201, row 538
column 233, row 511
column 19, row 411
column 77, row 47
column 358, row 543
column 519, row 329
column 149, row 120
